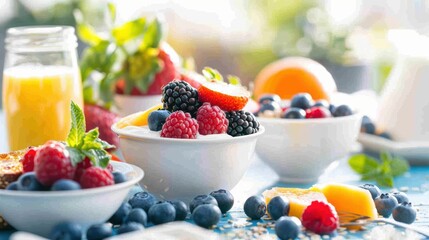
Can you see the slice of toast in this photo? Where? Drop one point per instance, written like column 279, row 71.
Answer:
column 10, row 170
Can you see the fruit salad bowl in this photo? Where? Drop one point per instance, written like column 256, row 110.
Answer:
column 183, row 168
column 39, row 212
column 300, row 150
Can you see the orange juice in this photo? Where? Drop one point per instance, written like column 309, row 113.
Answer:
column 37, row 103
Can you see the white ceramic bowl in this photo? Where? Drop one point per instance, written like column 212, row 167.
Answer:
column 39, row 212
column 127, row 104
column 184, row 168
column 300, row 150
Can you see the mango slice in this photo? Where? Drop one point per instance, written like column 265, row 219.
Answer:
column 348, row 199
column 138, row 118
column 298, row 198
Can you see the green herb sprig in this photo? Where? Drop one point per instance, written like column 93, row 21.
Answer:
column 381, row 171
column 81, row 145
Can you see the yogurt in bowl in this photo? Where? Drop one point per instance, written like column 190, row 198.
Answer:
column 183, row 168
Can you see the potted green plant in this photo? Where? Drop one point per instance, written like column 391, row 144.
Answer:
column 127, row 66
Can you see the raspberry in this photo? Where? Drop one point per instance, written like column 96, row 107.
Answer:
column 320, row 217
column 52, row 163
column 28, row 160
column 180, row 125
column 81, row 167
column 94, row 177
column 109, row 167
column 211, row 120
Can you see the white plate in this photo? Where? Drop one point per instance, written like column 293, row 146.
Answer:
column 417, row 153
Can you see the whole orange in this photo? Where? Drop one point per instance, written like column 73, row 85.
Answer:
column 292, row 75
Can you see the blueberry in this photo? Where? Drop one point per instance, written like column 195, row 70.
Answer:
column 367, row 125
column 181, row 210
column 12, row 186
column 119, row 177
column 65, row 185
column 288, row 227
column 120, row 214
column 162, row 212
column 332, row 108
column 130, row 227
column 301, row 100
column 342, row 111
column 156, row 119
column 266, row 98
column 99, row 231
column 66, row 230
column 29, row 182
column 278, row 207
column 401, row 197
column 374, row 190
column 206, row 215
column 200, row 200
column 404, row 213
column 269, row 107
column 385, row 203
column 294, row 113
column 137, row 215
column 255, row 207
column 143, row 200
column 366, row 119
column 321, row 103
column 385, row 135
column 224, row 199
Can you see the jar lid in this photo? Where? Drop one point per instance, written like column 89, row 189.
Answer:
column 40, row 39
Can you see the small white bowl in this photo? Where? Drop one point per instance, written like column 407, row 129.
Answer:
column 39, row 212
column 128, row 104
column 300, row 150
column 184, row 168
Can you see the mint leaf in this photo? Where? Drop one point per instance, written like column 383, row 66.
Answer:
column 399, row 166
column 76, row 156
column 77, row 130
column 385, row 180
column 129, row 31
column 363, row 164
column 112, row 11
column 212, row 74
column 104, row 144
column 98, row 157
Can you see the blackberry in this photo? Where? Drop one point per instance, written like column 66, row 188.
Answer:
column 241, row 123
column 179, row 95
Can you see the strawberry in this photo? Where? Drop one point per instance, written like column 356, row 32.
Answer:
column 28, row 160
column 52, row 163
column 94, row 177
column 320, row 217
column 193, row 78
column 168, row 73
column 226, row 96
column 96, row 116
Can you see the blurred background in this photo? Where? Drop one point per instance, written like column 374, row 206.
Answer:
column 240, row 37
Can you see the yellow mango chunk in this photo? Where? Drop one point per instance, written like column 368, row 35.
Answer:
column 348, row 199
column 138, row 118
column 298, row 198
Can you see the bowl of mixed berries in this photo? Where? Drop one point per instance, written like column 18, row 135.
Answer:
column 303, row 137
column 199, row 140
column 72, row 181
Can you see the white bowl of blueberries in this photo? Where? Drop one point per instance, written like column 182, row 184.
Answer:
column 303, row 137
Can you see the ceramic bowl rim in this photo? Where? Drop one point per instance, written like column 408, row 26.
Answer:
column 80, row 193
column 320, row 121
column 122, row 133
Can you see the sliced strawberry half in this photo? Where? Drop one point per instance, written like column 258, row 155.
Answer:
column 226, row 96
column 193, row 78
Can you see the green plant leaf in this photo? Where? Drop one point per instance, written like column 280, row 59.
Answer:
column 112, row 11
column 87, row 34
column 98, row 157
column 152, row 36
column 212, row 74
column 399, row 166
column 77, row 130
column 142, row 68
column 363, row 164
column 129, row 31
column 385, row 180
column 234, row 80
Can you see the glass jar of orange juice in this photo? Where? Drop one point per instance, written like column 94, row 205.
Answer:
column 41, row 77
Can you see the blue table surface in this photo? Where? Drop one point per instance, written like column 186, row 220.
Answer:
column 260, row 177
